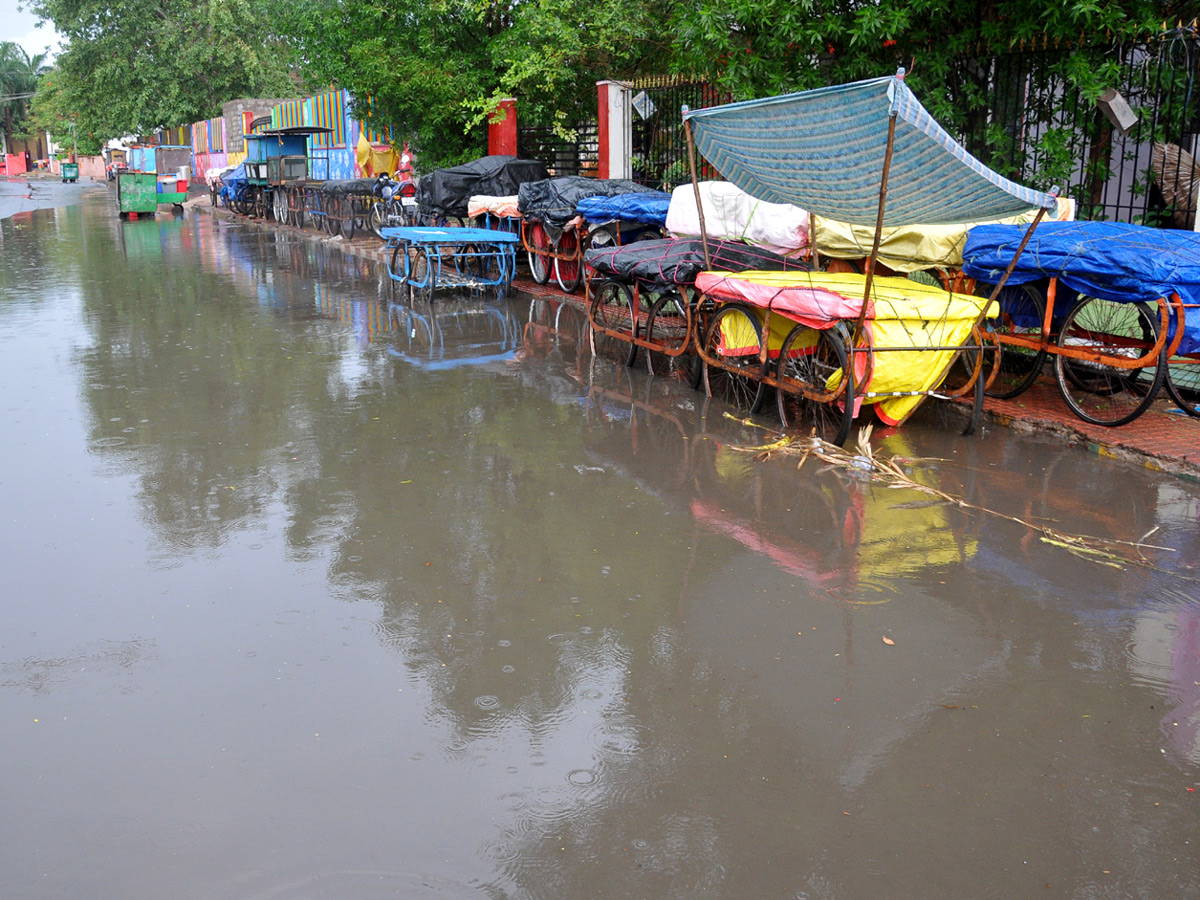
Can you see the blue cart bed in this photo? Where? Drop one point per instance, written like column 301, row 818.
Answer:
column 427, row 258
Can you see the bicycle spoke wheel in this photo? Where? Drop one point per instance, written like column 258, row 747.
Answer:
column 667, row 326
column 1182, row 381
column 612, row 308
column 734, row 339
column 539, row 261
column 377, row 221
column 966, row 379
column 1022, row 312
column 814, row 395
column 1095, row 390
column 568, row 267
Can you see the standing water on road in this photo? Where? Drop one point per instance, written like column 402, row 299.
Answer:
column 310, row 593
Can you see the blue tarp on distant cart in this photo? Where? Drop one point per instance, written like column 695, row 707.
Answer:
column 1110, row 260
column 648, row 208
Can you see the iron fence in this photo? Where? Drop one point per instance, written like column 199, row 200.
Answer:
column 659, row 146
column 577, row 154
column 1124, row 156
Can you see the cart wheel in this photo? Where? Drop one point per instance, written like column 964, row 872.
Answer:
column 1022, row 312
column 331, row 208
column 296, row 206
column 377, row 220
column 667, row 327
column 1183, row 385
column 814, row 395
column 735, row 339
column 1096, row 391
column 968, row 375
column 612, row 308
column 539, row 260
column 422, row 274
column 568, row 267
column 346, row 205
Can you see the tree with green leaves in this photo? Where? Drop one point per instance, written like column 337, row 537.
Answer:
column 436, row 70
column 141, row 65
column 18, row 80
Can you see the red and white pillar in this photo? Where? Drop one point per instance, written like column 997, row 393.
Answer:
column 502, row 129
column 615, row 119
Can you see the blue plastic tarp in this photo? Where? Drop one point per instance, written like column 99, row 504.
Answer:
column 234, row 178
column 649, row 208
column 1109, row 260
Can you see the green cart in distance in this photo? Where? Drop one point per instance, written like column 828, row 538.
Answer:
column 137, row 194
column 70, row 172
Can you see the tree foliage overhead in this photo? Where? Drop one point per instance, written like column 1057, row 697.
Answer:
column 140, row 65
column 435, row 70
column 757, row 48
column 18, row 79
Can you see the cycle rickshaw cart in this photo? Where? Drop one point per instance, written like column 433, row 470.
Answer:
column 643, row 296
column 829, row 343
column 282, row 167
column 553, row 233
column 1126, row 331
column 444, row 195
column 643, row 292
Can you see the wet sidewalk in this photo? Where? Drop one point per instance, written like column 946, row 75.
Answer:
column 1163, row 438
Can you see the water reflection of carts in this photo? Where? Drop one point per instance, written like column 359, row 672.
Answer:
column 426, row 258
column 1111, row 345
column 440, row 336
column 829, row 342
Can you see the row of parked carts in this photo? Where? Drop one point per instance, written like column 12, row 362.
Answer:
column 855, row 256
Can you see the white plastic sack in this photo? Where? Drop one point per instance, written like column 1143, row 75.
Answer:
column 733, row 215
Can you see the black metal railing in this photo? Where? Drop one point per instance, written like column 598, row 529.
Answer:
column 659, row 145
column 577, row 153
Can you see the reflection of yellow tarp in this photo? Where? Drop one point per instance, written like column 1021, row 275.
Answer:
column 906, row 315
column 902, row 533
column 892, row 538
column 909, row 248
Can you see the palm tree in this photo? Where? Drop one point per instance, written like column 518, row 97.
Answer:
column 18, row 80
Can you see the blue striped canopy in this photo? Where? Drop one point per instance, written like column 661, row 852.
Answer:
column 823, row 151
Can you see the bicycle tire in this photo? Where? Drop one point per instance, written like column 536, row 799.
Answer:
column 612, row 307
column 1095, row 391
column 539, row 260
column 568, row 264
column 1182, row 381
column 667, row 326
column 810, row 360
column 739, row 382
column 1018, row 367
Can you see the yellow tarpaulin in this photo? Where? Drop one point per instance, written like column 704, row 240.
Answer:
column 373, row 159
column 905, row 314
column 910, row 248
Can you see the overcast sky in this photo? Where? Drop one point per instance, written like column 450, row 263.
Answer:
column 21, row 27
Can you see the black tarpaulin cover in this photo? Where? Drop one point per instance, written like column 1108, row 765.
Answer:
column 345, row 186
column 553, row 200
column 446, row 191
column 679, row 261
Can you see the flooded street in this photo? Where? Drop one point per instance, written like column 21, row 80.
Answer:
column 310, row 594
